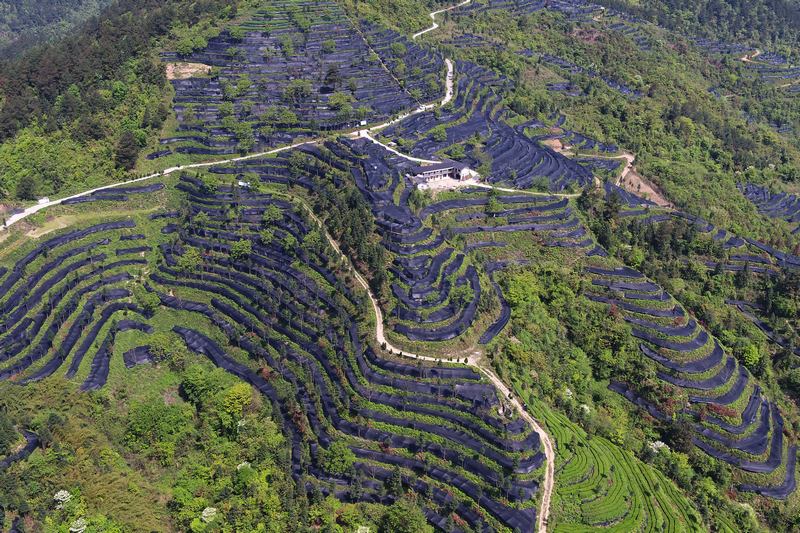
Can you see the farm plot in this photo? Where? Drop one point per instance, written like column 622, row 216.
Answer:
column 437, row 290
column 578, row 141
column 578, row 12
column 567, row 88
column 722, row 48
column 438, row 426
column 477, row 123
column 31, row 442
column 778, row 205
column 732, row 419
column 600, row 487
column 630, row 27
column 782, row 75
column 277, row 315
column 575, row 69
column 770, row 67
column 114, row 194
column 627, row 198
column 292, row 71
column 64, row 295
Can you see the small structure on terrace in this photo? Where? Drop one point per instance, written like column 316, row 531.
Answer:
column 447, row 169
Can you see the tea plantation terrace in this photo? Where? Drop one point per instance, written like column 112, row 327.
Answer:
column 427, row 270
column 476, row 115
column 733, row 420
column 279, row 83
column 272, row 316
column 778, row 205
column 477, row 396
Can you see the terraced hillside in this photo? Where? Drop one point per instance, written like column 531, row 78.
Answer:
column 774, row 205
column 86, row 303
column 601, row 487
column 428, row 306
column 745, row 429
column 443, row 255
column 279, row 329
column 478, row 124
column 688, row 359
column 295, row 69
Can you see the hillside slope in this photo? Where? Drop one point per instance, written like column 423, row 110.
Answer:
column 755, row 21
column 26, row 23
column 195, row 349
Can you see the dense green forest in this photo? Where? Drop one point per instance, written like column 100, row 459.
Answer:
column 28, row 23
column 769, row 22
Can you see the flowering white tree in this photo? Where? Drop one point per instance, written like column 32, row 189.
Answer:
column 657, row 446
column 208, row 514
column 78, row 526
column 61, row 497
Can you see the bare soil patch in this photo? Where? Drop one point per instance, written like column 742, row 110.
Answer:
column 52, row 225
column 589, row 36
column 170, row 396
column 641, row 186
column 181, row 71
column 555, row 144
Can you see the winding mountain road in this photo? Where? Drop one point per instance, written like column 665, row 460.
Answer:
column 13, row 219
column 473, row 360
column 433, row 18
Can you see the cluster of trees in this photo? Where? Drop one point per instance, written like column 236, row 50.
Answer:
column 564, row 338
column 92, row 57
column 349, row 219
column 8, row 435
column 407, row 16
column 781, row 295
column 758, row 21
column 351, row 222
column 672, row 253
column 26, row 23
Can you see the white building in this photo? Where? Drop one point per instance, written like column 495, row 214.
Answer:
column 447, row 169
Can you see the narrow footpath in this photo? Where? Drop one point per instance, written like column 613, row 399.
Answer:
column 473, row 361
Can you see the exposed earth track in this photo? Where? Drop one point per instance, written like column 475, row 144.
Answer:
column 473, row 361
column 433, row 18
column 750, row 56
